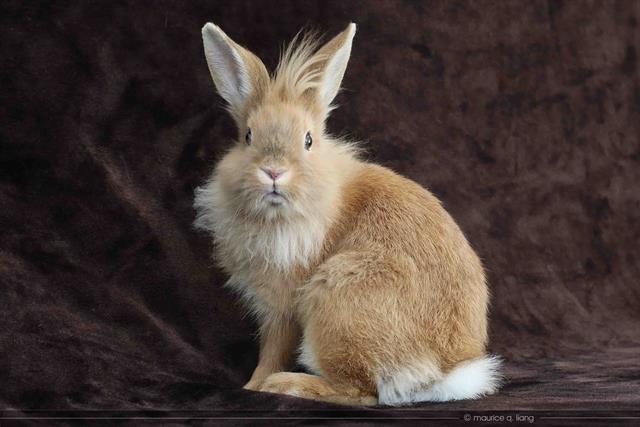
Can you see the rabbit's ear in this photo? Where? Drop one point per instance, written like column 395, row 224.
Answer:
column 336, row 52
column 237, row 73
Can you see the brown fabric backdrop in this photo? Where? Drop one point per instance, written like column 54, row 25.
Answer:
column 523, row 117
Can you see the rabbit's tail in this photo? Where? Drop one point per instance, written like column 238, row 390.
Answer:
column 424, row 382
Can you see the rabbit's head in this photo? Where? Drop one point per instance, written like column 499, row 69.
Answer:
column 282, row 163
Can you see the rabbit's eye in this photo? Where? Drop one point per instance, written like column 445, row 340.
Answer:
column 248, row 137
column 308, row 141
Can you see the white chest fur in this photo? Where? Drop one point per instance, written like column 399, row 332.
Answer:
column 257, row 256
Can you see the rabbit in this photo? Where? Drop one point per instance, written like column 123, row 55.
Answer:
column 354, row 270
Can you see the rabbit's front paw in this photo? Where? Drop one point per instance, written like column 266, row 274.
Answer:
column 253, row 384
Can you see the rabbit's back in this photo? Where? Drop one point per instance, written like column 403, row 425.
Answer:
column 385, row 209
column 444, row 289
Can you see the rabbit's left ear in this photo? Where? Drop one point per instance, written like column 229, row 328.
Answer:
column 237, row 73
column 335, row 56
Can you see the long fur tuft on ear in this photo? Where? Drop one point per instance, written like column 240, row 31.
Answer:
column 299, row 69
column 303, row 68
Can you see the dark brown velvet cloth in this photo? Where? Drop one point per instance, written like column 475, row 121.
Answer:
column 523, row 117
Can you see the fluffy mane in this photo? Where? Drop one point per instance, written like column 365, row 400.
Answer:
column 299, row 67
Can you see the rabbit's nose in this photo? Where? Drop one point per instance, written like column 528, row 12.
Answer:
column 274, row 174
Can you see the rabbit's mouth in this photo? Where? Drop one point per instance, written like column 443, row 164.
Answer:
column 275, row 197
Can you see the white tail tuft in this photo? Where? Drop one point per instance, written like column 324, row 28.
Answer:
column 423, row 383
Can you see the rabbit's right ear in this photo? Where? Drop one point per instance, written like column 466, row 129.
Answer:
column 334, row 57
column 237, row 73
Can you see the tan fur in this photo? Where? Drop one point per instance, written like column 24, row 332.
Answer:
column 366, row 265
